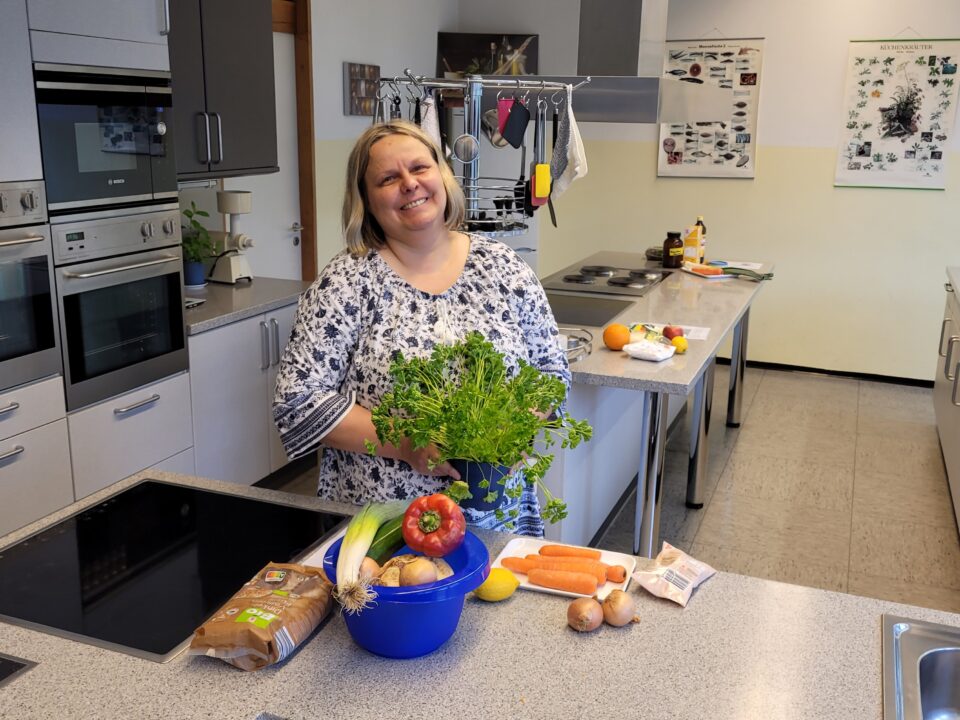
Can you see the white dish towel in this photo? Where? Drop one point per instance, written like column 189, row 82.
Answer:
column 576, row 156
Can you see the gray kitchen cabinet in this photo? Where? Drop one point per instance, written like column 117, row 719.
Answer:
column 234, row 371
column 221, row 59
column 182, row 462
column 946, row 394
column 130, row 432
column 20, row 154
column 130, row 34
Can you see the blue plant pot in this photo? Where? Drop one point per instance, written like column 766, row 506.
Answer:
column 193, row 273
column 473, row 473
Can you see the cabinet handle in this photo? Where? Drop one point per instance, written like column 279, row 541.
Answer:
column 943, row 331
column 264, row 346
column 949, row 359
column 17, row 449
column 206, row 129
column 275, row 359
column 130, row 408
column 122, row 268
column 23, row 241
column 9, row 408
column 948, row 287
column 219, row 137
column 166, row 17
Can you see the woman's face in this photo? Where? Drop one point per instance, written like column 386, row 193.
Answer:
column 405, row 191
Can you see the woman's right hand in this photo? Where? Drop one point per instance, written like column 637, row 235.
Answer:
column 420, row 458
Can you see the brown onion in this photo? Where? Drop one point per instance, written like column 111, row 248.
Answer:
column 418, row 572
column 618, row 609
column 369, row 568
column 584, row 615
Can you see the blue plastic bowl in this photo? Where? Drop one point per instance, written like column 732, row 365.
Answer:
column 407, row 622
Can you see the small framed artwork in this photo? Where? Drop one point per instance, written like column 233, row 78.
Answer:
column 460, row 54
column 360, row 84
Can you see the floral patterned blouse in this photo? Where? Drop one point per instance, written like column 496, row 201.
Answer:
column 354, row 319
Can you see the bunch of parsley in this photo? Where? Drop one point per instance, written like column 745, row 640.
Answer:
column 461, row 400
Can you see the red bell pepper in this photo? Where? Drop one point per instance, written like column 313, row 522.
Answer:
column 434, row 525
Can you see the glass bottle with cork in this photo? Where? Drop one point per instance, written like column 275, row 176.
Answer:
column 673, row 251
column 703, row 238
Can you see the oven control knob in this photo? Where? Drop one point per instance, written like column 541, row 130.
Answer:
column 29, row 200
column 168, row 227
column 146, row 229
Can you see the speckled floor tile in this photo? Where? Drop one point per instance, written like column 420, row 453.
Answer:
column 901, row 591
column 801, row 411
column 789, row 569
column 903, row 402
column 808, row 385
column 923, row 499
column 895, row 455
column 913, row 552
column 775, row 528
column 793, row 482
column 802, row 442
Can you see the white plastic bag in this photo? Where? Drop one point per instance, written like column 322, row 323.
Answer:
column 674, row 575
column 649, row 350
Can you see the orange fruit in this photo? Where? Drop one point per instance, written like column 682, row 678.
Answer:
column 616, row 336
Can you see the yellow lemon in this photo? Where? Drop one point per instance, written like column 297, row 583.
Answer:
column 499, row 585
column 680, row 343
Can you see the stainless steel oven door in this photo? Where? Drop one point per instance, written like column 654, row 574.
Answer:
column 121, row 322
column 29, row 336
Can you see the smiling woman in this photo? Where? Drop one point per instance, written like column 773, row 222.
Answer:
column 407, row 281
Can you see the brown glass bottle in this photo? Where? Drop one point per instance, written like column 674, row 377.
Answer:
column 673, row 251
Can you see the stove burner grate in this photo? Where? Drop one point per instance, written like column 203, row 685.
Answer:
column 598, row 270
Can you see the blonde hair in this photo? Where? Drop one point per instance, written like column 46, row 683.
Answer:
column 361, row 230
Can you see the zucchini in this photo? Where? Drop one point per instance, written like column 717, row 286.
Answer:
column 387, row 541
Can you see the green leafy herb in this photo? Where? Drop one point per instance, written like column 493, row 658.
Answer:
column 461, row 400
column 197, row 243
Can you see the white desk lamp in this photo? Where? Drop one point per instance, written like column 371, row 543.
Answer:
column 232, row 266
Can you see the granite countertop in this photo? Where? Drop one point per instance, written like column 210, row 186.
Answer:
column 743, row 648
column 227, row 304
column 680, row 299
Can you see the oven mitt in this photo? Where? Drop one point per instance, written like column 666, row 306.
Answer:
column 576, row 157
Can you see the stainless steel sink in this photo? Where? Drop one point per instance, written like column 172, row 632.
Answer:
column 921, row 670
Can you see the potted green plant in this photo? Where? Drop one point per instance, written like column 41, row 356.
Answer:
column 197, row 245
column 485, row 423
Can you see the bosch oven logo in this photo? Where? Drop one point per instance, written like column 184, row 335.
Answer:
column 116, row 181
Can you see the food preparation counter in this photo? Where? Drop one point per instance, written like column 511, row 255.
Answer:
column 743, row 648
column 227, row 304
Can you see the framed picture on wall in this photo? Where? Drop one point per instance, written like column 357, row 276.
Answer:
column 460, row 54
column 360, row 83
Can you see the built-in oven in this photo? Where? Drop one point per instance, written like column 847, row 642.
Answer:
column 119, row 280
column 29, row 336
column 106, row 136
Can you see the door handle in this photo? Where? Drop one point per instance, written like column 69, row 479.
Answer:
column 275, row 356
column 948, row 287
column 23, row 241
column 9, row 408
column 264, row 346
column 166, row 17
column 206, row 128
column 143, row 403
column 17, row 449
column 219, row 137
column 943, row 331
column 953, row 394
column 109, row 271
column 949, row 359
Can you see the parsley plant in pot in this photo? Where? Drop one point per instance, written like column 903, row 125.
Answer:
column 197, row 246
column 462, row 400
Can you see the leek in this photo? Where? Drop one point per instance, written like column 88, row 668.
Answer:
column 354, row 592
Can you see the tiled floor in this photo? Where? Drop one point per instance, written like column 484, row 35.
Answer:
column 829, row 482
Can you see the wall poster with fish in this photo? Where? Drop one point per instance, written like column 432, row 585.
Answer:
column 899, row 105
column 709, row 97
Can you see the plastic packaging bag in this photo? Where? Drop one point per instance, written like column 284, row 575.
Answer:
column 674, row 575
column 268, row 618
column 649, row 350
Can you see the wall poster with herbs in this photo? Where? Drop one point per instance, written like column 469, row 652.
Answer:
column 899, row 107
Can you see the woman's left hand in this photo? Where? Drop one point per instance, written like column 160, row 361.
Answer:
column 421, row 459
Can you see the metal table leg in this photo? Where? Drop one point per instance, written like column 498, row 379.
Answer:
column 699, row 437
column 738, row 364
column 646, row 526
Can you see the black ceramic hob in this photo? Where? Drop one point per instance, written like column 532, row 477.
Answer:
column 140, row 571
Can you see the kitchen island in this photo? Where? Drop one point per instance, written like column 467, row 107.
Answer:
column 743, row 648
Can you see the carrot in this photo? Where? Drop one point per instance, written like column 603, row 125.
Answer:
column 576, row 582
column 616, row 573
column 524, row 565
column 569, row 551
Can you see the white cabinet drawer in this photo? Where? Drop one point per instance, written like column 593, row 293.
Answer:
column 182, row 463
column 31, row 406
column 126, row 434
column 35, row 478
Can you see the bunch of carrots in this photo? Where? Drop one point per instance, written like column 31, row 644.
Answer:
column 562, row 567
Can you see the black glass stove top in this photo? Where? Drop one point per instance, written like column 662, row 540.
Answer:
column 143, row 569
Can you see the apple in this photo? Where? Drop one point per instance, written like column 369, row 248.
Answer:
column 672, row 331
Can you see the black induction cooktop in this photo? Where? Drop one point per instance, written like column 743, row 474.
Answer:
column 140, row 571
